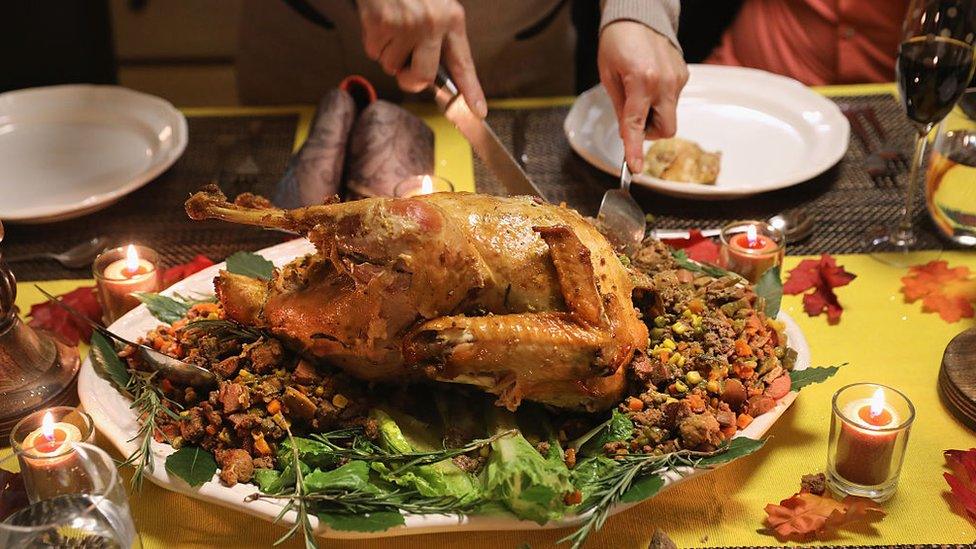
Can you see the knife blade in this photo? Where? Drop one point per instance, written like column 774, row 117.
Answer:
column 483, row 140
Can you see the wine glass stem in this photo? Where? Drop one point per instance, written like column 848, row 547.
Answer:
column 904, row 232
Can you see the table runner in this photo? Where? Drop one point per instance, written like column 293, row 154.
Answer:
column 844, row 201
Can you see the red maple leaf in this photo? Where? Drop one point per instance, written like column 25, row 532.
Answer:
column 962, row 480
column 52, row 318
column 177, row 273
column 822, row 276
column 947, row 291
column 697, row 246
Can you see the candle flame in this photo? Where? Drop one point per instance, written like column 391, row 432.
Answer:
column 47, row 426
column 131, row 259
column 877, row 402
column 426, row 185
column 752, row 234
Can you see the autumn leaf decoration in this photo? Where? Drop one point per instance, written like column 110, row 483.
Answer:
column 697, row 246
column 822, row 276
column 50, row 317
column 807, row 515
column 962, row 479
column 178, row 272
column 944, row 290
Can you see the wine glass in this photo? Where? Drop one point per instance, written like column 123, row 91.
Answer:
column 89, row 510
column 935, row 63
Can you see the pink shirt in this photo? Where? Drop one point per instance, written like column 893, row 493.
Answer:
column 817, row 42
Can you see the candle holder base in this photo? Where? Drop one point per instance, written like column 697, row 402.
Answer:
column 843, row 487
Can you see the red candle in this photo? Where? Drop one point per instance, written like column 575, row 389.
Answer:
column 751, row 254
column 864, row 454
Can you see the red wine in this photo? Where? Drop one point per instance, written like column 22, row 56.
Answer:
column 932, row 74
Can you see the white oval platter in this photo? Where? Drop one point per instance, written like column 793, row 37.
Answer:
column 118, row 423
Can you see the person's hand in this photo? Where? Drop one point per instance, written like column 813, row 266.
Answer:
column 641, row 70
column 409, row 38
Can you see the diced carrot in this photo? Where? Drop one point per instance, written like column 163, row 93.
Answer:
column 635, row 404
column 274, row 406
column 729, row 431
column 743, row 370
column 664, row 355
column 179, row 324
column 573, row 498
column 165, row 385
column 742, row 348
column 205, row 308
column 696, row 402
column 743, row 421
column 696, row 305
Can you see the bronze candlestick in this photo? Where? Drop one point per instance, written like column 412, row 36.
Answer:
column 36, row 370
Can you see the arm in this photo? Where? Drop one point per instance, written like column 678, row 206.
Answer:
column 642, row 69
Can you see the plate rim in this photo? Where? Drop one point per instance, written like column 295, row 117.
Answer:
column 90, row 385
column 180, row 139
column 707, row 192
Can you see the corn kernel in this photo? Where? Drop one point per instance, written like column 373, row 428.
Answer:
column 680, row 387
column 693, row 377
column 669, row 343
column 712, row 386
column 679, row 328
column 340, row 401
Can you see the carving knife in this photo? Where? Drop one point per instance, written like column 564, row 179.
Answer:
column 483, row 140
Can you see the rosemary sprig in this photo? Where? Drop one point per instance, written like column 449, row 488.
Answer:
column 223, row 329
column 297, row 501
column 614, row 485
column 360, row 448
column 149, row 402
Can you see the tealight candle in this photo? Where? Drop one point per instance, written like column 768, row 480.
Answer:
column 868, row 435
column 119, row 273
column 43, row 442
column 422, row 184
column 750, row 248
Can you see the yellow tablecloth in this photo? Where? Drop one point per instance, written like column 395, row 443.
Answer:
column 883, row 339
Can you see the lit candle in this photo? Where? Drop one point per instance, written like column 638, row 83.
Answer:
column 864, row 454
column 44, row 444
column 749, row 251
column 119, row 273
column 51, row 439
column 420, row 185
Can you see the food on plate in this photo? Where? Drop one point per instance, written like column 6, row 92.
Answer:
column 360, row 372
column 681, row 160
column 523, row 299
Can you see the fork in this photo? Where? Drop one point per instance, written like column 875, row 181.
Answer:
column 886, row 150
column 879, row 169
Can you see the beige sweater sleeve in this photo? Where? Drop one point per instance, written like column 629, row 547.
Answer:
column 660, row 15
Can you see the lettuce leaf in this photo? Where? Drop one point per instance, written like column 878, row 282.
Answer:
column 404, row 434
column 528, row 484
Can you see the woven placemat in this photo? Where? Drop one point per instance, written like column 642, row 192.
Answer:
column 844, row 201
column 154, row 216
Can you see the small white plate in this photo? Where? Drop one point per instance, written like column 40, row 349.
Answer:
column 772, row 131
column 66, row 151
column 113, row 417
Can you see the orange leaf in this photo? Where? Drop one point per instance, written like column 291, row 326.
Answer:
column 807, row 515
column 962, row 480
column 947, row 291
column 802, row 515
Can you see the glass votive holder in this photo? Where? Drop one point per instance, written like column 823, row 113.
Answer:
column 121, row 271
column 869, row 431
column 750, row 248
column 93, row 513
column 43, row 442
column 422, row 184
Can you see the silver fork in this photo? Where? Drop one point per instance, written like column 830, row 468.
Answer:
column 886, row 150
column 879, row 169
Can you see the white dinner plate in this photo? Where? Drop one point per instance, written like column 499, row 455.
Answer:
column 70, row 150
column 115, row 420
column 772, row 131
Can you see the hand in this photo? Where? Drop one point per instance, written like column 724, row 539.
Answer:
column 641, row 70
column 409, row 37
